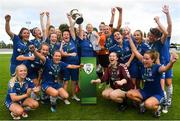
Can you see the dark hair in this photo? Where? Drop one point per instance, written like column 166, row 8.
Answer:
column 117, row 55
column 51, row 34
column 156, row 32
column 102, row 23
column 21, row 31
column 153, row 54
column 63, row 27
column 56, row 51
column 51, row 26
column 140, row 32
column 44, row 43
column 33, row 31
column 65, row 30
column 95, row 29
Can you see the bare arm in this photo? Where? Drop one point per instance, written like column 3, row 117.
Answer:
column 97, row 37
column 7, row 26
column 169, row 20
column 42, row 25
column 95, row 81
column 130, row 60
column 71, row 23
column 80, row 32
column 47, row 24
column 120, row 18
column 15, row 97
column 162, row 28
column 112, row 18
column 37, row 54
column 174, row 58
column 23, row 58
column 134, row 49
column 74, row 66
column 65, row 54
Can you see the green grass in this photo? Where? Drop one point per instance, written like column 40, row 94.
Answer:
column 104, row 109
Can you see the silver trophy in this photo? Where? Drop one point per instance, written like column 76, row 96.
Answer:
column 76, row 16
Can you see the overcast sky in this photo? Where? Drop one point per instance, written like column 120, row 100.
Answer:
column 138, row 14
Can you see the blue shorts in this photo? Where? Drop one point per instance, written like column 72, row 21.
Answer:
column 54, row 85
column 12, row 69
column 146, row 95
column 133, row 70
column 167, row 74
column 9, row 102
column 71, row 74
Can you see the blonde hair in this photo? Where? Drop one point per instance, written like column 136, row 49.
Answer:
column 13, row 79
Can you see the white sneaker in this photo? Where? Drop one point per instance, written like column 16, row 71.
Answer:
column 165, row 109
column 75, row 98
column 15, row 117
column 67, row 102
column 24, row 115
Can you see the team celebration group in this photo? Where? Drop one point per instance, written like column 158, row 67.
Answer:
column 136, row 67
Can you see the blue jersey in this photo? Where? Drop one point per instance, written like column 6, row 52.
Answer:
column 36, row 43
column 33, row 67
column 157, row 46
column 19, row 48
column 164, row 53
column 52, row 71
column 52, row 49
column 70, row 47
column 152, row 78
column 86, row 48
column 110, row 41
column 123, row 52
column 16, row 88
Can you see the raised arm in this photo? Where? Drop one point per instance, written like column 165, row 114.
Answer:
column 134, row 49
column 112, row 18
column 7, row 26
column 120, row 18
column 174, row 58
column 169, row 20
column 80, row 32
column 37, row 54
column 42, row 25
column 71, row 23
column 162, row 28
column 130, row 60
column 48, row 24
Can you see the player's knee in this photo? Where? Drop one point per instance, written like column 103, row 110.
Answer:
column 35, row 104
column 66, row 95
column 148, row 104
column 54, row 94
column 19, row 111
